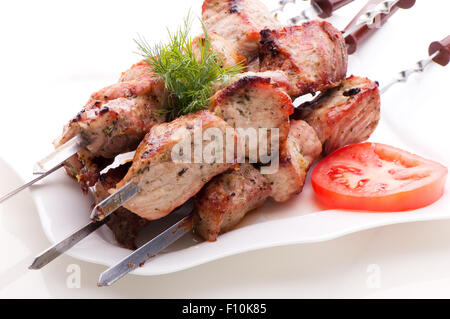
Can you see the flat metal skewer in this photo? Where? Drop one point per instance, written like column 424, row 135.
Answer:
column 62, row 153
column 102, row 210
column 58, row 249
column 51, row 163
column 21, row 188
column 369, row 17
column 149, row 249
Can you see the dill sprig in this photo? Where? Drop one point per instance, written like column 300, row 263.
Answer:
column 187, row 78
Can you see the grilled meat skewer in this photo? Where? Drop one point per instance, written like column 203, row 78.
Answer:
column 351, row 110
column 165, row 183
column 343, row 107
column 114, row 121
column 225, row 200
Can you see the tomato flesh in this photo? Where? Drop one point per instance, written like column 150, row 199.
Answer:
column 377, row 177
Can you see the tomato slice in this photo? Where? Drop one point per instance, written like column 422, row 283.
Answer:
column 377, row 177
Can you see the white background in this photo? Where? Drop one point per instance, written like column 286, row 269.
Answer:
column 50, row 48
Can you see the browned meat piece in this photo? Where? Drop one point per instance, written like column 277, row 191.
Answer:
column 225, row 200
column 221, row 46
column 343, row 115
column 139, row 80
column 255, row 100
column 140, row 70
column 239, row 21
column 166, row 183
column 85, row 169
column 124, row 224
column 115, row 126
column 115, row 120
column 119, row 112
column 301, row 149
column 312, row 55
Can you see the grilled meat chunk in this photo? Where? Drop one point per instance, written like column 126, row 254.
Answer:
column 221, row 46
column 252, row 101
column 301, row 149
column 225, row 200
column 343, row 115
column 114, row 126
column 166, row 182
column 139, row 80
column 124, row 224
column 138, row 71
column 239, row 21
column 114, row 120
column 312, row 55
column 85, row 169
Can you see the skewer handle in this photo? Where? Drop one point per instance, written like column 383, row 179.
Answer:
column 406, row 4
column 444, row 51
column 355, row 38
column 329, row 6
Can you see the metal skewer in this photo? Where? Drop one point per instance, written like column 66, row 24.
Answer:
column 439, row 52
column 405, row 74
column 58, row 156
column 102, row 210
column 318, row 8
column 368, row 18
column 58, row 249
column 151, row 248
column 51, row 163
column 146, row 252
column 21, row 188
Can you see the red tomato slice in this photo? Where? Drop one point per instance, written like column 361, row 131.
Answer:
column 377, row 177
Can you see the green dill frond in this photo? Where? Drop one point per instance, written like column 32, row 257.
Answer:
column 187, row 78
